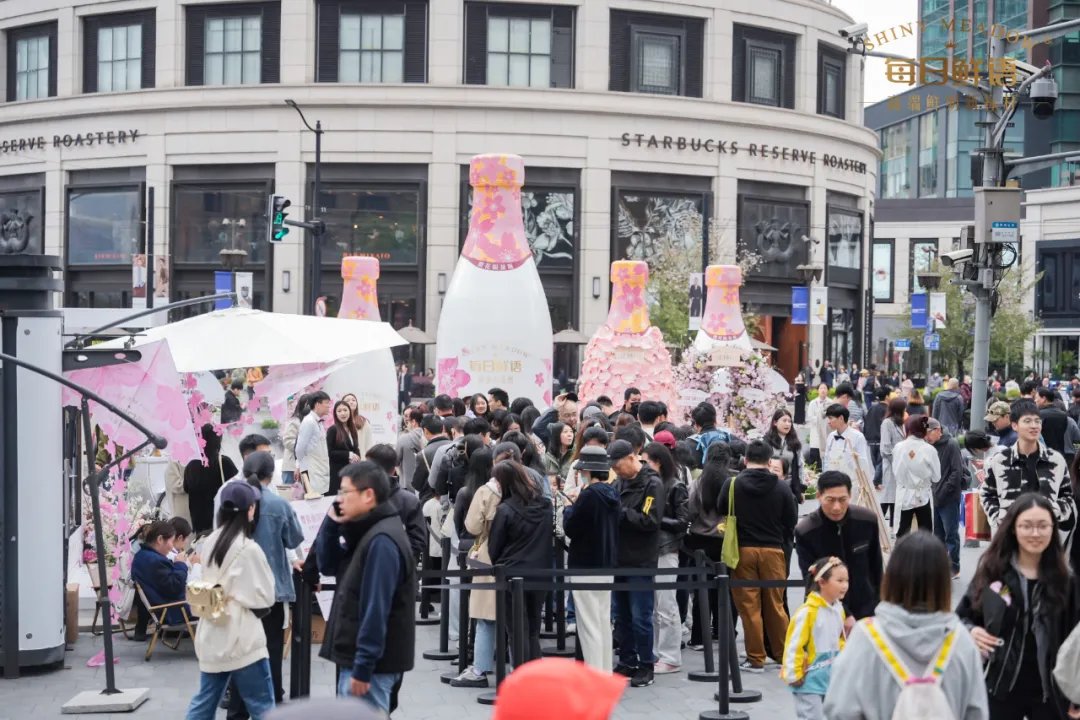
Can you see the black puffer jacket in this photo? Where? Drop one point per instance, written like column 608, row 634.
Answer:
column 641, row 501
column 855, row 541
column 521, row 533
column 1053, row 622
column 947, row 491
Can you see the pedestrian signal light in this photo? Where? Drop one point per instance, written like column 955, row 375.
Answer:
column 278, row 205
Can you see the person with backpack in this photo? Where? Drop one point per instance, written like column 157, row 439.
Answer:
column 706, row 432
column 1019, row 607
column 815, row 637
column 914, row 636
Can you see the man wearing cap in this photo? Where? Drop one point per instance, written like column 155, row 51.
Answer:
column 591, row 523
column 947, row 490
column 371, row 631
column 998, row 417
column 641, row 499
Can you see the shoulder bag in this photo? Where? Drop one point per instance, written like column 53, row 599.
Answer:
column 730, row 552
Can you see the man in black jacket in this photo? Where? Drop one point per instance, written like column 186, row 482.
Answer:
column 872, row 428
column 847, row 532
column 371, row 632
column 766, row 513
column 435, row 437
column 641, row 497
column 1059, row 431
column 947, row 491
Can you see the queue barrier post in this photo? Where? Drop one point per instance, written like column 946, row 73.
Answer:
column 723, row 601
column 463, row 623
column 424, row 617
column 500, row 636
column 443, row 652
column 737, row 694
column 709, row 674
column 300, row 652
column 560, row 649
column 518, row 623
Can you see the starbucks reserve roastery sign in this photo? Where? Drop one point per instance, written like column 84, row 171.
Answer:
column 764, row 151
column 68, row 140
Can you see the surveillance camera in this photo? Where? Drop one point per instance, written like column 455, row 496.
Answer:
column 854, row 31
column 1044, row 94
column 956, row 257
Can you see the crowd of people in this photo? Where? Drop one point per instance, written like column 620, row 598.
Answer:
column 620, row 485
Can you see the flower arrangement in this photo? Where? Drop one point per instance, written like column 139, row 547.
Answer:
column 743, row 402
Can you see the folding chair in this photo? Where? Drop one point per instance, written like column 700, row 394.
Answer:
column 161, row 625
column 121, row 622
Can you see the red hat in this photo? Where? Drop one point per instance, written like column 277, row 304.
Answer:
column 665, row 438
column 558, row 688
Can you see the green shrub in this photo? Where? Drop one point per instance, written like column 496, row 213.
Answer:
column 812, row 394
column 270, row 424
column 1013, row 394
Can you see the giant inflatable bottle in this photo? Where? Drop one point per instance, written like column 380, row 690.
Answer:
column 722, row 323
column 495, row 328
column 372, row 378
column 627, row 351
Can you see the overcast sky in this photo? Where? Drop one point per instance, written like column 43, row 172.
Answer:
column 881, row 15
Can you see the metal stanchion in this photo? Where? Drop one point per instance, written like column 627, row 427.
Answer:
column 443, row 652
column 518, row 624
column 423, row 618
column 709, row 674
column 500, row 637
column 723, row 712
column 463, row 624
column 737, row 693
column 560, row 649
column 300, row 658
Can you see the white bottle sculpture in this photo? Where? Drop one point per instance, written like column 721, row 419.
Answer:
column 495, row 328
column 373, row 377
column 722, row 323
column 627, row 350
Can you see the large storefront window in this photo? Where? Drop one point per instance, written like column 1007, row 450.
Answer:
column 841, row 336
column 21, row 219
column 379, row 222
column 845, row 238
column 897, row 161
column 209, row 218
column 104, row 225
column 774, row 230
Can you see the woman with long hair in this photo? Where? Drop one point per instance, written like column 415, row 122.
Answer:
column 892, row 432
column 668, row 624
column 202, row 482
column 560, row 449
column 915, row 624
column 478, row 406
column 1020, row 606
column 500, row 423
column 364, row 438
column 706, row 510
column 589, row 434
column 288, row 439
column 916, row 467
column 342, row 444
column 785, row 441
column 521, row 537
column 233, row 645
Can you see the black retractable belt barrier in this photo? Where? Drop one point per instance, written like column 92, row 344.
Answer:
column 560, row 649
column 709, row 674
column 423, row 616
column 463, row 625
column 300, row 659
column 737, row 694
column 443, row 652
column 518, row 625
column 500, row 636
column 724, row 629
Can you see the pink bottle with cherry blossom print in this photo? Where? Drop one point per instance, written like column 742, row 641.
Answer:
column 495, row 328
column 372, row 378
column 722, row 323
column 627, row 351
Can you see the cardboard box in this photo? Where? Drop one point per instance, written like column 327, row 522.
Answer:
column 71, row 613
column 318, row 629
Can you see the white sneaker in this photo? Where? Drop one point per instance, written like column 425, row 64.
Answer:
column 747, row 667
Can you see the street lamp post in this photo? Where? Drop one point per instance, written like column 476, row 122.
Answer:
column 316, row 209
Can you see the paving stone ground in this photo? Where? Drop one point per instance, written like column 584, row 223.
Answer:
column 173, row 678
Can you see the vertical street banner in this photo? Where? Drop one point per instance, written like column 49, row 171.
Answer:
column 138, row 282
column 800, row 305
column 918, row 311
column 161, row 281
column 819, row 305
column 222, row 283
column 697, row 299
column 244, row 289
column 937, row 310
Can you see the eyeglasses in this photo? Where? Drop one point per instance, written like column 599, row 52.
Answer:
column 1034, row 528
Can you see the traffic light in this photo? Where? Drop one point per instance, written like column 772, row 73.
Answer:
column 278, row 205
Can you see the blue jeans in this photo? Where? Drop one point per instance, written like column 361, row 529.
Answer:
column 378, row 695
column 253, row 683
column 484, row 650
column 947, row 529
column 634, row 623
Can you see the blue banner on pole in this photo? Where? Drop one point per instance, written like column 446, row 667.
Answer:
column 800, row 305
column 919, row 304
column 222, row 283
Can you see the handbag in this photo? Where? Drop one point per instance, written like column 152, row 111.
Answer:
column 730, row 552
column 207, row 599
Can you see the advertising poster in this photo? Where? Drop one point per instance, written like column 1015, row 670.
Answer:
column 819, row 305
column 800, row 305
column 697, row 299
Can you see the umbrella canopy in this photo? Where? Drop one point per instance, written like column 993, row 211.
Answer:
column 242, row 337
column 775, row 382
column 758, row 345
column 416, row 336
column 150, row 391
column 570, row 336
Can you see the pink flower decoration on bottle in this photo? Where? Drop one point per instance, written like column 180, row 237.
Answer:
column 495, row 240
column 359, row 298
column 451, row 377
column 722, row 319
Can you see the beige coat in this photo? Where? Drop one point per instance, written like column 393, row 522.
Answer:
column 174, row 486
column 478, row 523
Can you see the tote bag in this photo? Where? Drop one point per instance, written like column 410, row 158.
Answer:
column 730, row 553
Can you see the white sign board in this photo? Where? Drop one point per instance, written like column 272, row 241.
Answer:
column 1004, row 232
column 311, row 514
column 726, row 356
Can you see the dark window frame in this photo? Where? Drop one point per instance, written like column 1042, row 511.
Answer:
column 744, row 38
column 38, row 190
column 891, row 243
column 833, row 58
column 626, row 25
column 93, row 23
column 26, row 32
column 771, row 47
column 195, row 39
column 475, row 48
column 754, row 277
column 637, row 34
column 104, row 277
column 328, row 39
column 643, row 189
column 421, row 189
